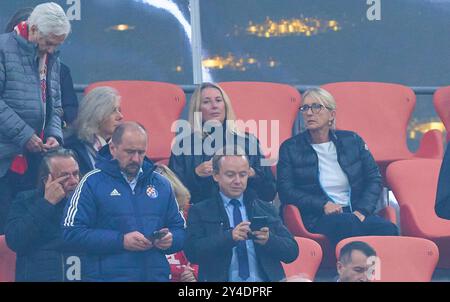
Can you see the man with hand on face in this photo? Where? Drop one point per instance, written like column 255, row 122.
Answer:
column 124, row 215
column 219, row 235
column 33, row 229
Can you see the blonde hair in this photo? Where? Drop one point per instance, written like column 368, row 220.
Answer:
column 195, row 103
column 181, row 192
column 323, row 97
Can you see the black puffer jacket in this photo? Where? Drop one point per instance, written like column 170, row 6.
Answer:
column 202, row 188
column 298, row 175
column 80, row 148
column 69, row 99
column 33, row 231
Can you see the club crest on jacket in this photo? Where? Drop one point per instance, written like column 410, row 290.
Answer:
column 152, row 192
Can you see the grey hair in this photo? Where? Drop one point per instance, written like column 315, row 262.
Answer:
column 95, row 107
column 50, row 18
column 233, row 150
column 323, row 97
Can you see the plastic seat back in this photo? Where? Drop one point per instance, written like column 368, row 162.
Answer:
column 378, row 112
column 271, row 107
column 307, row 262
column 414, row 184
column 400, row 259
column 7, row 262
column 156, row 105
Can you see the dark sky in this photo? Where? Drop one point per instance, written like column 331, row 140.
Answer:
column 409, row 45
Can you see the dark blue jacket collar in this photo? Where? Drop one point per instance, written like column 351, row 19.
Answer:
column 111, row 166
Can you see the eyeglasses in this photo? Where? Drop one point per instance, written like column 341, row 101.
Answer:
column 315, row 108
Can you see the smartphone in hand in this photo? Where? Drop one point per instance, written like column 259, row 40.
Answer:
column 156, row 235
column 257, row 223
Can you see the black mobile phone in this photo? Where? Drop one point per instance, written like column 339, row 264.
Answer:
column 156, row 235
column 258, row 222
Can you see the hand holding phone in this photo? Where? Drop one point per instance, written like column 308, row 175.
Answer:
column 162, row 239
column 258, row 222
column 156, row 235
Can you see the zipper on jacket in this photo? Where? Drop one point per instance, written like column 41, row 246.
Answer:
column 318, row 173
column 140, row 225
column 42, row 103
column 346, row 174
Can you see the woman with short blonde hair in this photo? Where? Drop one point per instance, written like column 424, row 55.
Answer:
column 330, row 175
column 325, row 98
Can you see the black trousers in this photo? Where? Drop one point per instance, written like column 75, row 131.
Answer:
column 340, row 226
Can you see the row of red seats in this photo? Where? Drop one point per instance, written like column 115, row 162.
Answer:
column 379, row 112
column 402, row 259
column 158, row 105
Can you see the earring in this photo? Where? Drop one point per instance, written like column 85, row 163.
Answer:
column 330, row 123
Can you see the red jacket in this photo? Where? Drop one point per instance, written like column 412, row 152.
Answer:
column 177, row 263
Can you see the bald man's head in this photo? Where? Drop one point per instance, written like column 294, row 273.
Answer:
column 128, row 146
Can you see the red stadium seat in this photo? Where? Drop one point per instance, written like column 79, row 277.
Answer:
column 414, row 184
column 441, row 100
column 380, row 113
column 164, row 161
column 401, row 259
column 262, row 101
column 293, row 221
column 7, row 262
column 307, row 262
column 155, row 105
